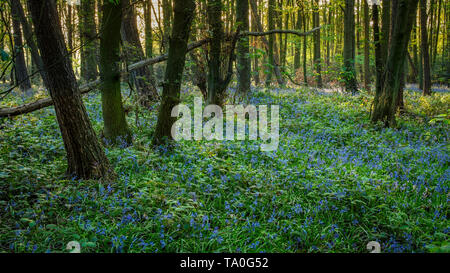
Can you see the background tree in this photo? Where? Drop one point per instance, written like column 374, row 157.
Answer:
column 317, row 58
column 367, row 39
column 20, row 68
column 142, row 78
column 425, row 49
column 88, row 40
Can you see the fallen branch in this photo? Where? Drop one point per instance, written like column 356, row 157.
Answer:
column 86, row 88
column 280, row 31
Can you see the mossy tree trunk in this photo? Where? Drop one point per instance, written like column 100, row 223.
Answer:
column 115, row 130
column 183, row 16
column 85, row 156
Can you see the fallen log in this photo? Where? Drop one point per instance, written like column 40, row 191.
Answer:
column 86, row 88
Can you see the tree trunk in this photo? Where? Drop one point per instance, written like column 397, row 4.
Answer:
column 349, row 47
column 243, row 51
column 305, row 71
column 85, row 156
column 69, row 27
column 183, row 16
column 20, row 68
column 386, row 103
column 115, row 130
column 266, row 43
column 366, row 46
column 255, row 69
column 271, row 24
column 167, row 14
column 141, row 78
column 29, row 37
column 317, row 58
column 88, row 39
column 378, row 51
column 220, row 70
column 148, row 32
column 298, row 26
column 424, row 49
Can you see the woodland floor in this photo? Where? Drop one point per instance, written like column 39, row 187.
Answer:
column 335, row 183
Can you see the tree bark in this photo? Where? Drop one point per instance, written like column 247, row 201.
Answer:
column 88, row 40
column 266, row 43
column 20, row 68
column 349, row 47
column 426, row 69
column 29, row 37
column 317, row 58
column 115, row 128
column 85, row 156
column 183, row 16
column 243, row 49
column 142, row 78
column 386, row 103
column 366, row 46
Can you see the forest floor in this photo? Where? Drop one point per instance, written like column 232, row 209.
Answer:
column 335, row 183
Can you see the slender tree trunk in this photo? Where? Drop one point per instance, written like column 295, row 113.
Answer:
column 141, row 78
column 255, row 69
column 305, row 71
column 349, row 49
column 215, row 94
column 69, row 27
column 378, row 51
column 366, row 46
column 148, row 31
column 85, row 155
column 167, row 14
column 385, row 28
column 88, row 33
column 266, row 43
column 271, row 24
column 298, row 26
column 243, row 51
column 29, row 37
column 424, row 49
column 115, row 129
column 183, row 16
column 437, row 32
column 20, row 67
column 199, row 69
column 317, row 58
